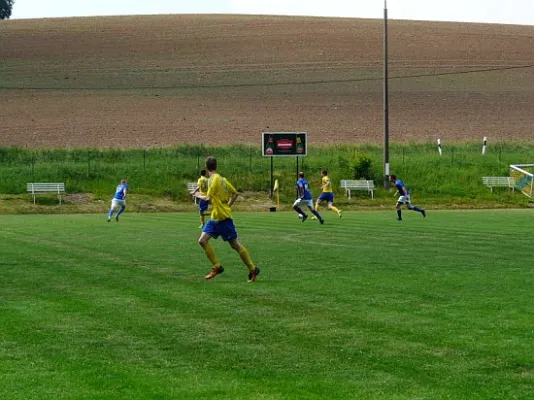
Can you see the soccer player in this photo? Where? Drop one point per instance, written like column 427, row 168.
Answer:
column 305, row 198
column 119, row 199
column 203, row 189
column 327, row 194
column 222, row 195
column 404, row 197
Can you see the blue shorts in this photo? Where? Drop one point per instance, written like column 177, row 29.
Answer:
column 202, row 206
column 329, row 197
column 224, row 229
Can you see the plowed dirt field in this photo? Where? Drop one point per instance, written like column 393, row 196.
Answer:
column 166, row 80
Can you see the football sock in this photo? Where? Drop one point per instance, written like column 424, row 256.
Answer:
column 111, row 213
column 314, row 212
column 121, row 211
column 399, row 214
column 334, row 209
column 210, row 253
column 416, row 209
column 246, row 258
column 299, row 210
column 202, row 219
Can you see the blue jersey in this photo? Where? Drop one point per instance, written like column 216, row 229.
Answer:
column 304, row 192
column 119, row 192
column 399, row 185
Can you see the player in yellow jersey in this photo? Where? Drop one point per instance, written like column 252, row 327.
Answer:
column 202, row 187
column 327, row 193
column 222, row 195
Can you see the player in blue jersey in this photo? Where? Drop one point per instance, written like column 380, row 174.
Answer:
column 305, row 198
column 119, row 200
column 404, row 197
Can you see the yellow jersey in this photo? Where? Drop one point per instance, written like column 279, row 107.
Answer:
column 326, row 184
column 203, row 185
column 220, row 191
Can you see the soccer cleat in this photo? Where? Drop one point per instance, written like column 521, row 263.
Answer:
column 399, row 219
column 321, row 221
column 424, row 213
column 117, row 218
column 340, row 213
column 314, row 217
column 214, row 271
column 253, row 275
column 304, row 218
column 201, row 226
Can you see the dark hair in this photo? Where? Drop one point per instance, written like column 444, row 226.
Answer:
column 123, row 181
column 211, row 163
column 301, row 174
column 324, row 171
column 392, row 177
column 203, row 172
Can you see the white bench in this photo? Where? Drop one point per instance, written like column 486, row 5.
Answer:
column 45, row 188
column 362, row 184
column 190, row 187
column 498, row 181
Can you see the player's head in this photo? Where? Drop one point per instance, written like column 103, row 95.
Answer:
column 203, row 172
column 324, row 172
column 301, row 174
column 124, row 181
column 393, row 178
column 211, row 164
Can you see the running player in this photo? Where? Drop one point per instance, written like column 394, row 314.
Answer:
column 222, row 195
column 404, row 198
column 327, row 194
column 305, row 198
column 119, row 199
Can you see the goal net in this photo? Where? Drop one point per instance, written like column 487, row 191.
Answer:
column 523, row 175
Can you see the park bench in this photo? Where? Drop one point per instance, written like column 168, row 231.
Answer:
column 190, row 187
column 498, row 181
column 45, row 188
column 362, row 184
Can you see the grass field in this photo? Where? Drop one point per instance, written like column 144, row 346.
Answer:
column 364, row 308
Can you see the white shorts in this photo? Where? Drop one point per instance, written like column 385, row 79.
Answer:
column 404, row 199
column 116, row 203
column 301, row 202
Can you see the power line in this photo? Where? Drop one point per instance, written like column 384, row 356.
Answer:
column 271, row 84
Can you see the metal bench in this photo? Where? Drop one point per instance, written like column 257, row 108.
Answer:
column 362, row 184
column 499, row 181
column 45, row 188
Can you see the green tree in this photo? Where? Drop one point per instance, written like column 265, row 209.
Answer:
column 5, row 8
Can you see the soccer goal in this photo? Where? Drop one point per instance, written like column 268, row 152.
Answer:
column 523, row 175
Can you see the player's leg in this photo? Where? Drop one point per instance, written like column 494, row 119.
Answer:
column 415, row 208
column 317, row 204
column 123, row 207
column 314, row 212
column 331, row 204
column 202, row 208
column 209, row 232
column 296, row 207
column 114, row 205
column 229, row 234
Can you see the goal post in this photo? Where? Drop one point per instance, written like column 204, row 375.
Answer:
column 523, row 175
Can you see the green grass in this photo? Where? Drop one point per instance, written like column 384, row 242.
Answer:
column 163, row 171
column 363, row 307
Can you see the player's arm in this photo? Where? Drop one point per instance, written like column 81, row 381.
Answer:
column 405, row 192
column 124, row 191
column 300, row 191
column 327, row 184
column 233, row 198
column 197, row 194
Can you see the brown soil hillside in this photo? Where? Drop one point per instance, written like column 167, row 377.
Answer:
column 165, row 80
